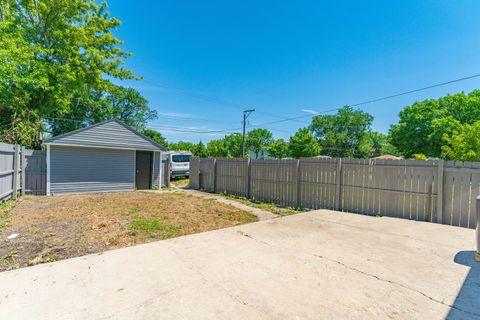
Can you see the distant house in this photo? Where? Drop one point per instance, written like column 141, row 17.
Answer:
column 262, row 155
column 108, row 156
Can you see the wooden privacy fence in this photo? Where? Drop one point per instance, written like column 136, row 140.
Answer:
column 165, row 173
column 436, row 191
column 21, row 169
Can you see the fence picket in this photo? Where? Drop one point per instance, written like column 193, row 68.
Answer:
column 398, row 188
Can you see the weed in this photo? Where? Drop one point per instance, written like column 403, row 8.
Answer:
column 152, row 225
column 112, row 240
column 9, row 259
column 35, row 230
column 134, row 213
column 268, row 206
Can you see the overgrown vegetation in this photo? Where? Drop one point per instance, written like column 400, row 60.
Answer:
column 5, row 208
column 55, row 228
column 267, row 206
column 56, row 62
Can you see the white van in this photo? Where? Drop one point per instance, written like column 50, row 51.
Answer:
column 180, row 163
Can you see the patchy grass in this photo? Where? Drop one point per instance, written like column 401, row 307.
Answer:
column 267, row 206
column 61, row 227
column 180, row 182
column 5, row 208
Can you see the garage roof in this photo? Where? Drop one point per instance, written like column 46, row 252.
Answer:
column 112, row 134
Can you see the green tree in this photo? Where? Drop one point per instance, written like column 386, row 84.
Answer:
column 181, row 146
column 423, row 125
column 233, row 144
column 342, row 134
column 199, row 150
column 463, row 144
column 375, row 144
column 156, row 136
column 217, row 149
column 129, row 106
column 304, row 144
column 278, row 149
column 54, row 55
column 258, row 140
column 125, row 104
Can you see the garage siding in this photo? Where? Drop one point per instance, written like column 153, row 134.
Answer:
column 79, row 170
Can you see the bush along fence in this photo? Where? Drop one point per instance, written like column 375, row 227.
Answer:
column 437, row 191
column 21, row 170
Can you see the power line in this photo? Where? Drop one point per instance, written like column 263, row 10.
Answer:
column 229, row 130
column 415, row 90
column 375, row 100
column 197, row 95
column 208, row 98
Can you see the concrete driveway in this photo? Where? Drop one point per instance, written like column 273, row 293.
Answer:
column 317, row 265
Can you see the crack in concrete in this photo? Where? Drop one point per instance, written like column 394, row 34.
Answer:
column 362, row 272
column 205, row 279
column 137, row 305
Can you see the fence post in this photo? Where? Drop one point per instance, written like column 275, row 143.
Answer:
column 247, row 194
column 16, row 150
column 24, row 174
column 477, row 256
column 338, row 185
column 440, row 166
column 215, row 175
column 298, row 184
column 167, row 184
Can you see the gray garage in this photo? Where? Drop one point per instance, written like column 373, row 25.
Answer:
column 109, row 156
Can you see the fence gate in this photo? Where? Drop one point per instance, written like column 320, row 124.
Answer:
column 35, row 172
column 207, row 174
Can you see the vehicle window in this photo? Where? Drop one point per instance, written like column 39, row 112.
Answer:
column 181, row 158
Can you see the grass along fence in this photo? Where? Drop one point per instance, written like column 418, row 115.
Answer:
column 436, row 191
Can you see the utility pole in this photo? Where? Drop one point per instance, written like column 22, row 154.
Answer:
column 246, row 113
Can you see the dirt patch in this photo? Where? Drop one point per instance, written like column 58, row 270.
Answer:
column 180, row 182
column 56, row 228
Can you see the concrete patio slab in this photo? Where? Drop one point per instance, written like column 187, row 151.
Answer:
column 316, row 265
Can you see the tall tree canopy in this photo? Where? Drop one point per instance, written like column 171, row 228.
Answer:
column 303, row 144
column 423, row 125
column 342, row 134
column 217, row 148
column 375, row 144
column 156, row 136
column 200, row 150
column 233, row 144
column 56, row 59
column 258, row 140
column 464, row 143
column 279, row 149
column 181, row 146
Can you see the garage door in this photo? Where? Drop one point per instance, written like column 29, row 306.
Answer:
column 80, row 170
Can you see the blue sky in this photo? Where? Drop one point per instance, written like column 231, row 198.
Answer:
column 203, row 62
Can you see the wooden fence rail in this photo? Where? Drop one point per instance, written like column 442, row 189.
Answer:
column 21, row 170
column 435, row 191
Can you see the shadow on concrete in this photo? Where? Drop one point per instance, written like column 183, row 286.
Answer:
column 467, row 303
